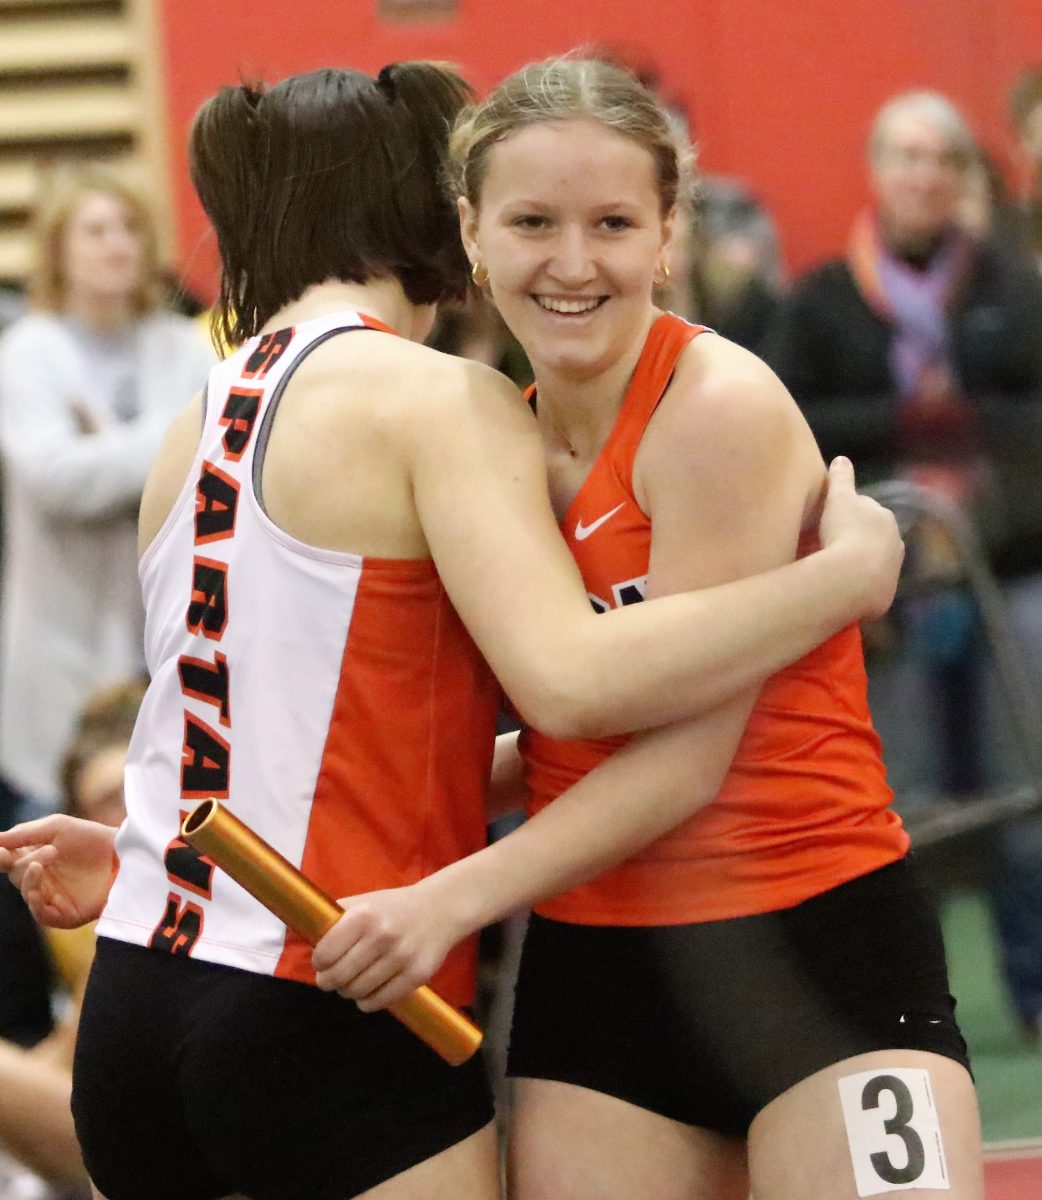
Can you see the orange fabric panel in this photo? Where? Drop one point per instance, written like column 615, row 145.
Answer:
column 401, row 789
column 805, row 805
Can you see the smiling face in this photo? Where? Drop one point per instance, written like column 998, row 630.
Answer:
column 570, row 228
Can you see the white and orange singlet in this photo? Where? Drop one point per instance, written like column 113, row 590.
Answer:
column 334, row 702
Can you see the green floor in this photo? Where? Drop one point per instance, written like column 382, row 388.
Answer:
column 1008, row 1074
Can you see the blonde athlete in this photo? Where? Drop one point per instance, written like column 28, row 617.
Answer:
column 759, row 996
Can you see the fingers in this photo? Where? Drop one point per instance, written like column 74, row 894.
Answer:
column 28, row 833
column 364, row 959
column 338, row 941
column 394, row 990
column 358, row 948
column 32, row 858
column 33, row 833
column 841, row 473
column 383, row 974
column 49, row 904
column 42, row 901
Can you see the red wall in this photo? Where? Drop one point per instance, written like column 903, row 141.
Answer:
column 780, row 93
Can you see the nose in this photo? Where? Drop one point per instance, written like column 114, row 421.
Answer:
column 573, row 262
column 119, row 238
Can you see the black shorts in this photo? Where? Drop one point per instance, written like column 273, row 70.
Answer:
column 708, row 1023
column 194, row 1081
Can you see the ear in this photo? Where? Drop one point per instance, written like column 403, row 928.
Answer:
column 669, row 230
column 468, row 228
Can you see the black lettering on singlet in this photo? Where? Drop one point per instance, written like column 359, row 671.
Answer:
column 179, row 928
column 216, row 499
column 208, row 608
column 187, row 867
column 630, row 591
column 207, row 681
column 205, row 757
column 240, row 415
column 269, row 350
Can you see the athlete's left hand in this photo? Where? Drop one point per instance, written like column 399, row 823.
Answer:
column 385, row 946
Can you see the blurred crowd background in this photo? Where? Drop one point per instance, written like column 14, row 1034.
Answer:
column 868, row 220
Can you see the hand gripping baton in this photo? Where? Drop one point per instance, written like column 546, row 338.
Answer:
column 309, row 912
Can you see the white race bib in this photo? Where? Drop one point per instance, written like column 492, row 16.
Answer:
column 893, row 1131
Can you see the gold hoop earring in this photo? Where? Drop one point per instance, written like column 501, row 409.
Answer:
column 479, row 274
column 662, row 275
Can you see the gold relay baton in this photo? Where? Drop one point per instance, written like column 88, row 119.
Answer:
column 310, row 912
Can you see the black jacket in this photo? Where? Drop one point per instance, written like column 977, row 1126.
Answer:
column 831, row 349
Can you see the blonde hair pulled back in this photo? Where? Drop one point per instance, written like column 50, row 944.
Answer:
column 567, row 88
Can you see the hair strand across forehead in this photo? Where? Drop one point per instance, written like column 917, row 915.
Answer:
column 562, row 89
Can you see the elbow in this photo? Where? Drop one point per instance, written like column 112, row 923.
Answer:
column 564, row 707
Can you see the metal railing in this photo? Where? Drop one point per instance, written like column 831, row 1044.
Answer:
column 912, row 505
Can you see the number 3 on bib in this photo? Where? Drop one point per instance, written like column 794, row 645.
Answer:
column 893, row 1131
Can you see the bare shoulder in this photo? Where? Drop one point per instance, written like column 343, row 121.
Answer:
column 456, row 389
column 726, row 409
column 727, row 439
column 417, row 387
column 719, row 381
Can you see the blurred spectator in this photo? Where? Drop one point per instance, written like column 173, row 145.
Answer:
column 920, row 354
column 12, row 305
column 35, row 1122
column 725, row 266
column 1025, row 104
column 89, row 380
column 988, row 211
column 736, row 275
column 475, row 330
column 922, row 347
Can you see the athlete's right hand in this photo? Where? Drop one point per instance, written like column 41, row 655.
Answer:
column 867, row 534
column 63, row 867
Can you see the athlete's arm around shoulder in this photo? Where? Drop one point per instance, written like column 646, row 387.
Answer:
column 478, row 477
column 729, row 474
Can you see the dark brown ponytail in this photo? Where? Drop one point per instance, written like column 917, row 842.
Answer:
column 333, row 174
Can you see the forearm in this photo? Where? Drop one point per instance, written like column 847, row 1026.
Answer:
column 629, row 801
column 88, row 477
column 35, row 1120
column 685, row 654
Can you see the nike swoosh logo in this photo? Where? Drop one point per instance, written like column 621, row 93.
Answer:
column 582, row 532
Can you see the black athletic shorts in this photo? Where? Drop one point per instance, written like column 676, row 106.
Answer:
column 194, row 1081
column 708, row 1023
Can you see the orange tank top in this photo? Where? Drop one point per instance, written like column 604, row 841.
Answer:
column 805, row 805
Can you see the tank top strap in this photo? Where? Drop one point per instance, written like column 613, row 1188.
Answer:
column 244, row 389
column 667, row 339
